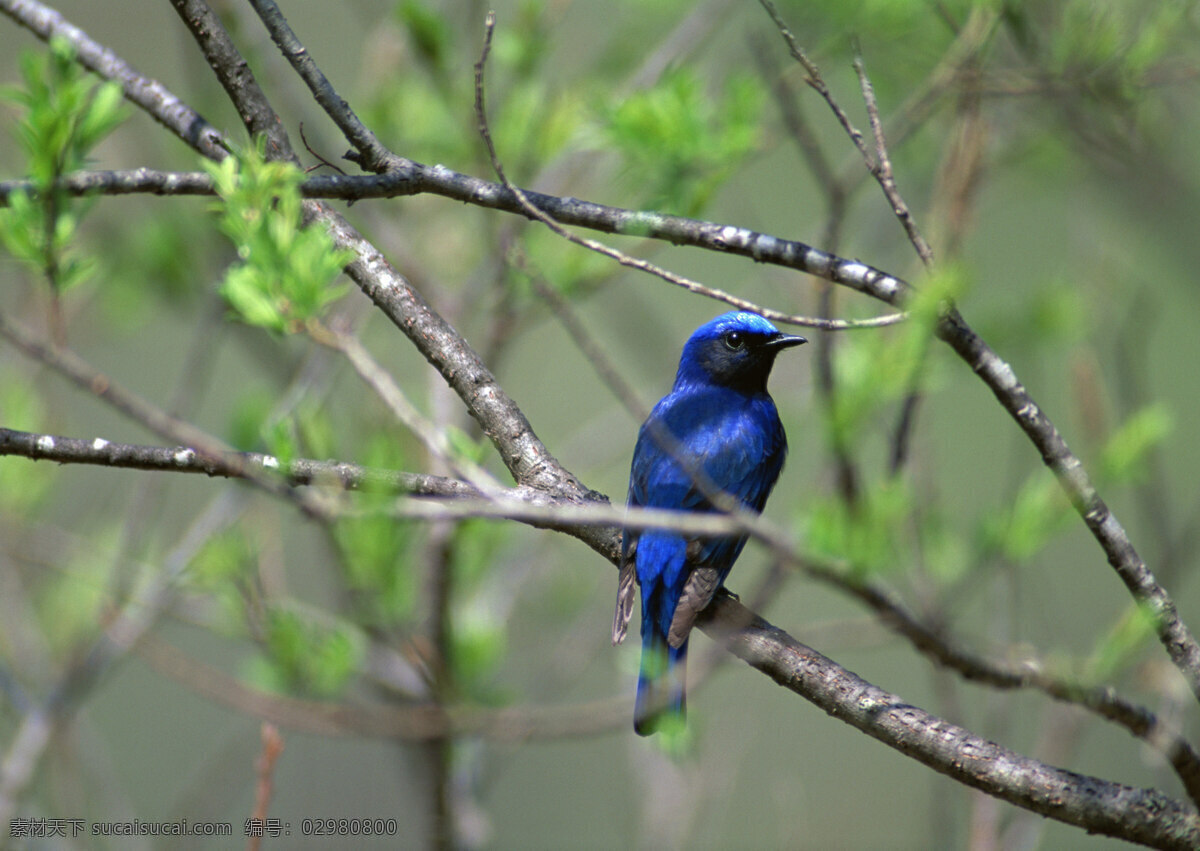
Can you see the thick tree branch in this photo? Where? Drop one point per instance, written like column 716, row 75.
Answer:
column 235, row 76
column 1101, row 700
column 1141, row 815
column 597, row 525
column 524, row 453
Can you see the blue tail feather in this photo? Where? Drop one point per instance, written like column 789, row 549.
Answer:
column 661, row 696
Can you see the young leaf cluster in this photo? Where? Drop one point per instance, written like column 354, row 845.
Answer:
column 65, row 115
column 680, row 142
column 284, row 275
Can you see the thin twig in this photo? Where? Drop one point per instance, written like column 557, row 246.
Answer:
column 584, row 340
column 264, row 770
column 394, row 723
column 320, row 159
column 1178, row 640
column 881, row 167
column 390, row 393
column 626, row 259
column 817, row 82
column 372, row 155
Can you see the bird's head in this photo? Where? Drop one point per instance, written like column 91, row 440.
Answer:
column 735, row 350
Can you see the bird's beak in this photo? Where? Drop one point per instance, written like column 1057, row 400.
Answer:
column 785, row 341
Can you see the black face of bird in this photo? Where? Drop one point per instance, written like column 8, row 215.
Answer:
column 743, row 358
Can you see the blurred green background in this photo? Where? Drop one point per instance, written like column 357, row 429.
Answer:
column 1075, row 252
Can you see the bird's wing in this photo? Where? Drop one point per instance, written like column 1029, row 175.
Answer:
column 740, row 449
column 701, row 584
column 626, row 591
column 738, row 443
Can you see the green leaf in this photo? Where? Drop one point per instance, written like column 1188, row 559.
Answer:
column 379, row 569
column 475, row 545
column 64, row 114
column 223, row 570
column 285, row 277
column 679, row 142
column 479, row 644
column 376, row 548
column 249, row 418
column 1029, row 522
column 311, row 657
column 867, row 535
column 71, row 603
column 428, row 30
column 1124, row 455
column 1133, row 632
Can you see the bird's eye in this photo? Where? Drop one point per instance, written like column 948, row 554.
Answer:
column 734, row 340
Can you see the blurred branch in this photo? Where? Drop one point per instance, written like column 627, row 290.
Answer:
column 264, row 768
column 836, row 192
column 389, row 392
column 410, row 723
column 513, row 505
column 91, row 380
column 122, row 632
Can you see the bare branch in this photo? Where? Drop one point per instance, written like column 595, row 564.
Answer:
column 552, row 211
column 182, row 459
column 235, row 76
column 1101, row 700
column 1174, row 634
column 371, row 154
column 881, row 168
column 1142, row 815
column 91, row 380
column 1179, row 641
column 147, row 93
column 386, row 388
column 264, row 767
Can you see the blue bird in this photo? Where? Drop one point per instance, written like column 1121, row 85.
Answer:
column 717, row 432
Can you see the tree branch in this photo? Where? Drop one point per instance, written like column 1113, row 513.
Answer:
column 235, row 76
column 147, row 93
column 184, row 459
column 1144, row 815
column 1100, row 806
